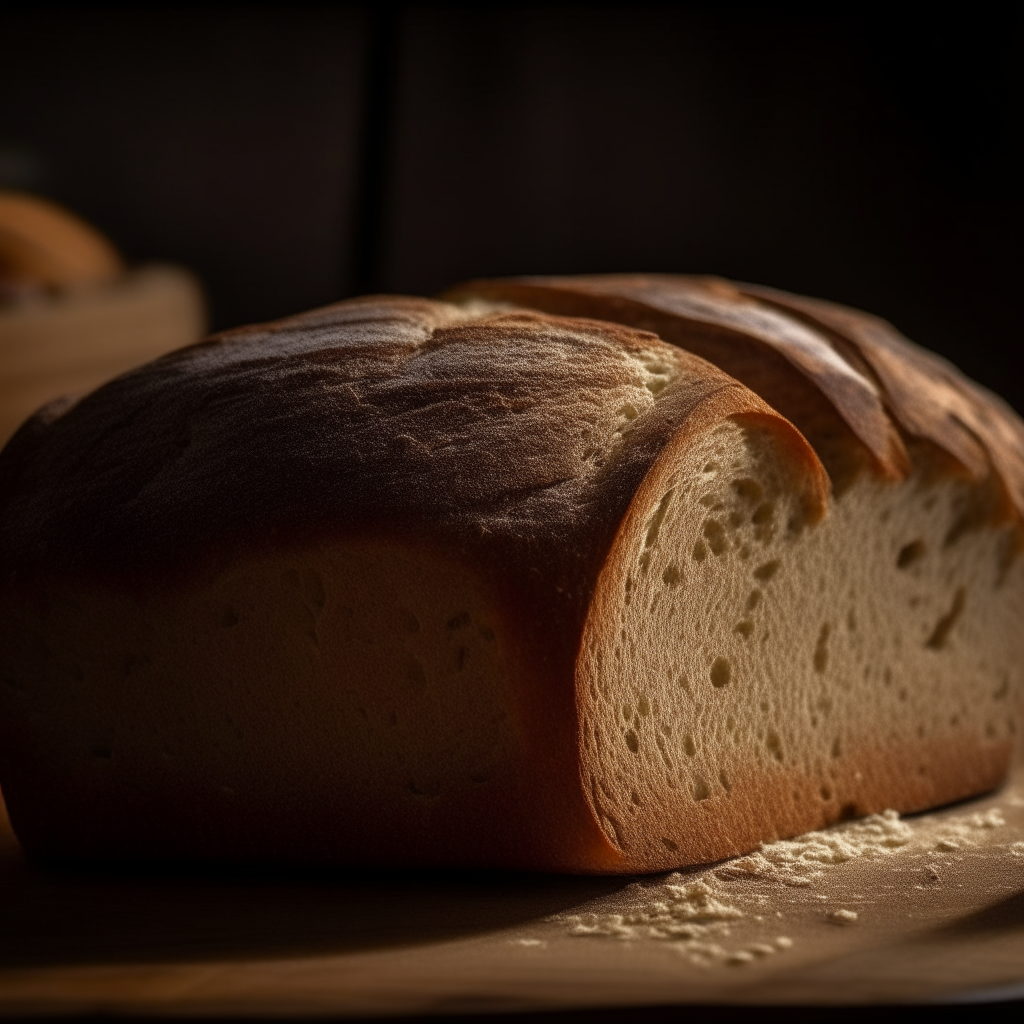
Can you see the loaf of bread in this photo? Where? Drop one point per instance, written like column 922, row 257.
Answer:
column 589, row 575
column 43, row 245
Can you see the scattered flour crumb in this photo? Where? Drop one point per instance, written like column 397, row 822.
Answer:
column 691, row 915
column 990, row 819
column 960, row 832
column 797, row 862
column 528, row 942
column 671, row 916
column 1017, row 849
column 741, row 956
column 842, row 916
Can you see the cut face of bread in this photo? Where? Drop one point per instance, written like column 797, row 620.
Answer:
column 744, row 674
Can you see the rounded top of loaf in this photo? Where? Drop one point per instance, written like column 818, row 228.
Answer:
column 389, row 416
column 886, row 390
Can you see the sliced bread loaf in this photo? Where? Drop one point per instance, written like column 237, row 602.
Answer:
column 414, row 582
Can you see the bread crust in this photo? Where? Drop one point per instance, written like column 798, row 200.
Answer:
column 795, row 367
column 890, row 391
column 928, row 397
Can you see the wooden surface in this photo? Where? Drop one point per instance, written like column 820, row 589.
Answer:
column 941, row 917
column 71, row 342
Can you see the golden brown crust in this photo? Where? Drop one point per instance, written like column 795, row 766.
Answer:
column 792, row 366
column 369, row 415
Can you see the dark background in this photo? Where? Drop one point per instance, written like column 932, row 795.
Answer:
column 295, row 155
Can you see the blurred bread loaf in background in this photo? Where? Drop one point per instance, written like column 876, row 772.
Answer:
column 72, row 315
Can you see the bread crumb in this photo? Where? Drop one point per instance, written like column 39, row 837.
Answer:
column 528, row 942
column 784, row 942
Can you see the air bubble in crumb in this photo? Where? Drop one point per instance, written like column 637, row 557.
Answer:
column 821, row 649
column 714, row 534
column 748, row 489
column 721, row 672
